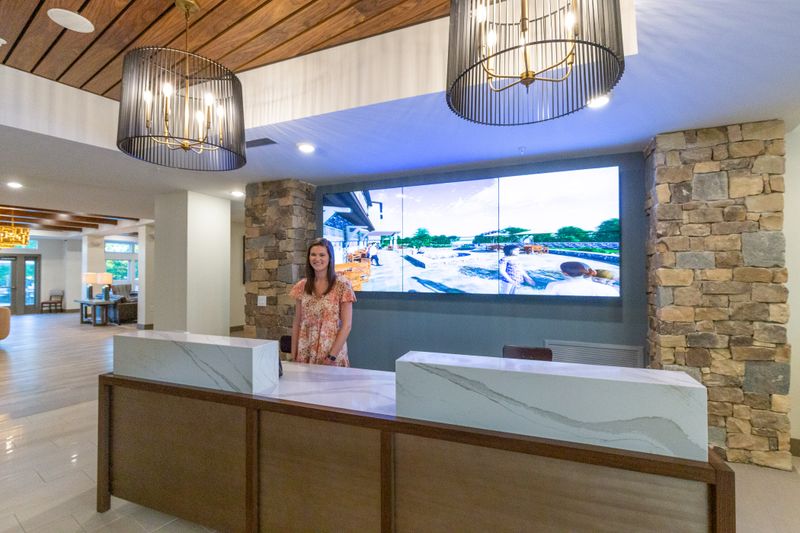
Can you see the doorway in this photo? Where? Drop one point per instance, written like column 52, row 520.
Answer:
column 20, row 278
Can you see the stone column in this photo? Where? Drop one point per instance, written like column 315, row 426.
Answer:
column 717, row 295
column 279, row 223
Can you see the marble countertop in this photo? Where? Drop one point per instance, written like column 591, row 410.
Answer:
column 185, row 336
column 355, row 389
column 598, row 372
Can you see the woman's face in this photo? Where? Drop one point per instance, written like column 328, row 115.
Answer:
column 319, row 259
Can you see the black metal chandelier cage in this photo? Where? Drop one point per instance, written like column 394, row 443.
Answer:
column 517, row 62
column 180, row 110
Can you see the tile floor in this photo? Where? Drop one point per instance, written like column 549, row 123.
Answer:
column 48, row 457
column 48, row 464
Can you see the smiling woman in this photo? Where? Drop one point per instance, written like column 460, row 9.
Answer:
column 324, row 310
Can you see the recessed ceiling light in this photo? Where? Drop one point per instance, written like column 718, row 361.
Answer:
column 70, row 20
column 237, row 194
column 15, row 184
column 306, row 148
column 600, row 101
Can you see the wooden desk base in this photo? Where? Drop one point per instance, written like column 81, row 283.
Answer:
column 96, row 314
column 236, row 462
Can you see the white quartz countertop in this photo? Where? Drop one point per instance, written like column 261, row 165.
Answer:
column 355, row 389
column 609, row 373
column 185, row 336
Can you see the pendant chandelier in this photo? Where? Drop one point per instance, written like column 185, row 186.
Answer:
column 12, row 236
column 524, row 61
column 179, row 109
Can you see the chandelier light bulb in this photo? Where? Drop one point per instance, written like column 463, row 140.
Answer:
column 491, row 39
column 147, row 96
column 209, row 99
column 220, row 112
column 167, row 89
column 480, row 13
column 569, row 21
column 200, row 117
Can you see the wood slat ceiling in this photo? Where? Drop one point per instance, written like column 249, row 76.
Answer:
column 240, row 34
column 53, row 220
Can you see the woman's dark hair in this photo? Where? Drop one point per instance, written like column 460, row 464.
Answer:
column 310, row 274
column 509, row 248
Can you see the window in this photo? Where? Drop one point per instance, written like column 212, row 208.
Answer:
column 118, row 268
column 33, row 244
column 120, row 247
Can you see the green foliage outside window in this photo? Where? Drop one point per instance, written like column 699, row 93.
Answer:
column 118, row 269
column 119, row 247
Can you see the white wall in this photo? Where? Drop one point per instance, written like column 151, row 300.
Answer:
column 73, row 286
column 208, row 268
column 192, row 263
column 791, row 228
column 237, row 283
column 169, row 298
column 60, row 264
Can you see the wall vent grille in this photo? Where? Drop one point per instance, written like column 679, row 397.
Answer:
column 264, row 141
column 590, row 353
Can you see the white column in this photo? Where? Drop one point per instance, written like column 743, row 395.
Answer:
column 192, row 258
column 93, row 257
column 147, row 252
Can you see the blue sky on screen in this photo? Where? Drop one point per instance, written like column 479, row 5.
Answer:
column 539, row 202
column 543, row 203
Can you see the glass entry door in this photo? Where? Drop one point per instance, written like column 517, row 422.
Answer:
column 19, row 283
column 7, row 285
column 30, row 285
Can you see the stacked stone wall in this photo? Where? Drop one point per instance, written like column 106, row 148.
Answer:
column 716, row 274
column 279, row 224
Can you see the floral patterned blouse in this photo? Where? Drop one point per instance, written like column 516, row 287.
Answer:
column 321, row 322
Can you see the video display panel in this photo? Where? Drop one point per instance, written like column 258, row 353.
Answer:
column 552, row 233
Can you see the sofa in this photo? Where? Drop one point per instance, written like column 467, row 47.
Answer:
column 127, row 304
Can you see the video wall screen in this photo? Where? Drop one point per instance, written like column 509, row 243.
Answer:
column 554, row 234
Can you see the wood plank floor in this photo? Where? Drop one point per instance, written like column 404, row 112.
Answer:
column 51, row 361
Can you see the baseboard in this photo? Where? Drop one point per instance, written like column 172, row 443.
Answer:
column 144, row 326
column 237, row 328
column 794, row 446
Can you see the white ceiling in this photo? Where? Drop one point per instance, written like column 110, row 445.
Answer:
column 700, row 63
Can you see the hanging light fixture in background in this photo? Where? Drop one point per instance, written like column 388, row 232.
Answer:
column 13, row 235
column 524, row 61
column 179, row 109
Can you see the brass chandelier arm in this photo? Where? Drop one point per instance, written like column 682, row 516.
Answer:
column 568, row 58
column 501, row 89
column 556, row 80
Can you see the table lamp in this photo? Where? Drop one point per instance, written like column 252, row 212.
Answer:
column 89, row 278
column 105, row 279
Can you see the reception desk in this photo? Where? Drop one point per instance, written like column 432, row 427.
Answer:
column 324, row 450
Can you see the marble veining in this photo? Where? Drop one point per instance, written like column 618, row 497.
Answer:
column 199, row 360
column 355, row 389
column 644, row 410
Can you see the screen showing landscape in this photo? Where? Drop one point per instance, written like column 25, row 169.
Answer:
column 554, row 234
